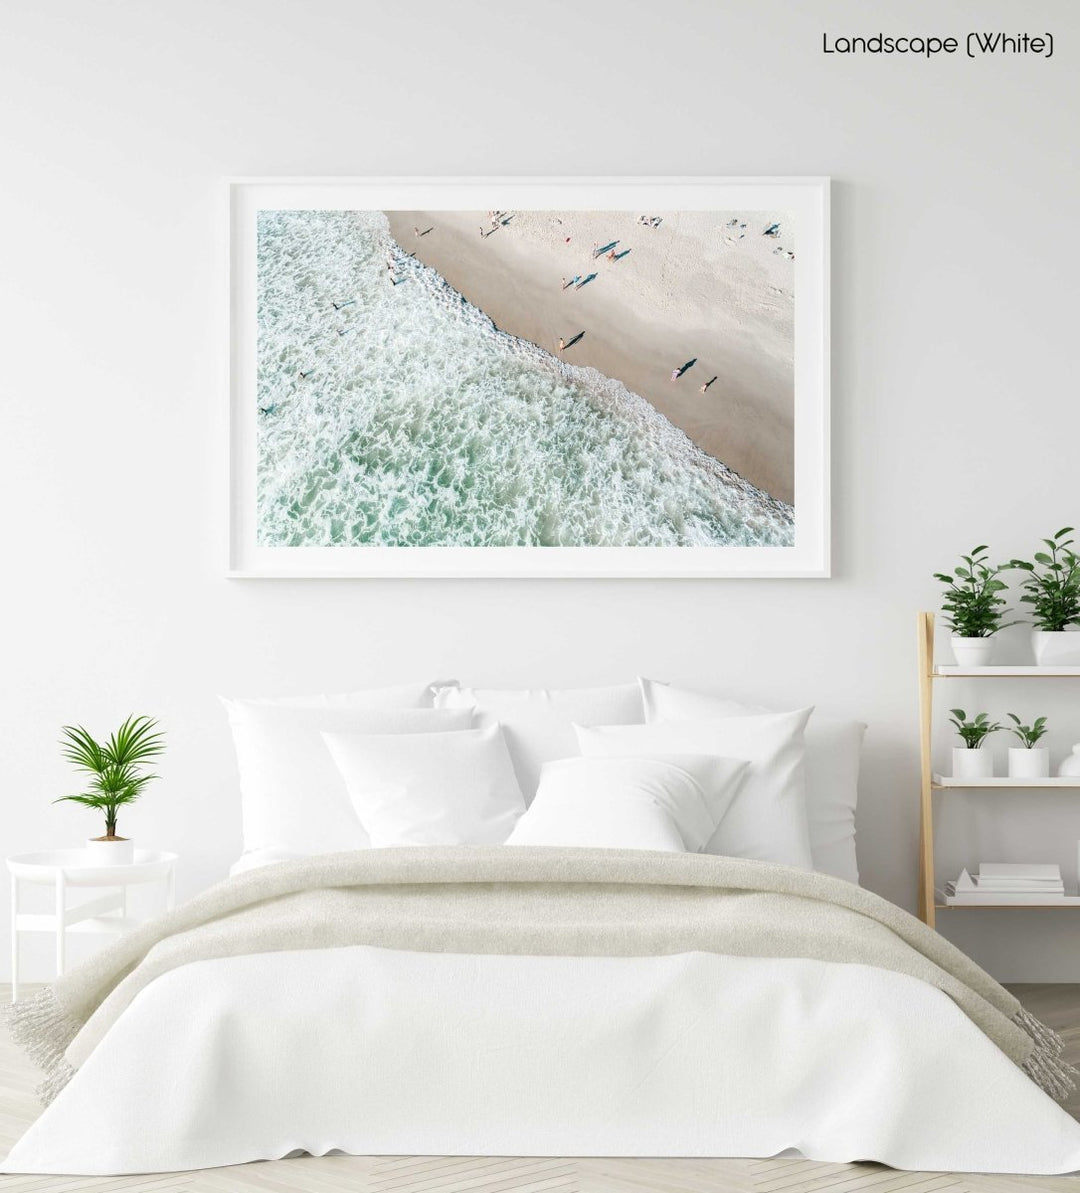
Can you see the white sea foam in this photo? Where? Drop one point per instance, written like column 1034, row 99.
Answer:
column 419, row 423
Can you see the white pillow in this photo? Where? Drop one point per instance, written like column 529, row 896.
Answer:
column 405, row 695
column 672, row 803
column 833, row 750
column 430, row 788
column 767, row 818
column 255, row 859
column 292, row 796
column 539, row 722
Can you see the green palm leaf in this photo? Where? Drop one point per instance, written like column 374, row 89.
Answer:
column 134, row 742
column 80, row 749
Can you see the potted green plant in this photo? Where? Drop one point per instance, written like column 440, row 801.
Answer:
column 1029, row 760
column 1052, row 589
column 970, row 761
column 117, row 778
column 973, row 607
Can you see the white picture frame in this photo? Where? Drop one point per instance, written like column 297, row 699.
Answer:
column 806, row 197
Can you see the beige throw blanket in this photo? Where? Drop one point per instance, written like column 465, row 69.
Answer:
column 527, row 901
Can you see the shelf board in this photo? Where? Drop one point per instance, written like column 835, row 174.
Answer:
column 1070, row 902
column 944, row 781
column 950, row 671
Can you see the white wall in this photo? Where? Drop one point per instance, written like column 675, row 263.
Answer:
column 955, row 407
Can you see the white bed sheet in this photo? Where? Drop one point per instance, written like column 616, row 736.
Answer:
column 375, row 1051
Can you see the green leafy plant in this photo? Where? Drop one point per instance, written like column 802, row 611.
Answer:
column 1028, row 734
column 115, row 767
column 1052, row 587
column 973, row 603
column 974, row 732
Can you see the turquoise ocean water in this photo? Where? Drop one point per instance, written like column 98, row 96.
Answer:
column 419, row 423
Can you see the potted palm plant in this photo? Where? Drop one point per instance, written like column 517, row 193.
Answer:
column 1029, row 760
column 117, row 778
column 970, row 761
column 1052, row 589
column 973, row 607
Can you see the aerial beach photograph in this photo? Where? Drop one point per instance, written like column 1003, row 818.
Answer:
column 525, row 378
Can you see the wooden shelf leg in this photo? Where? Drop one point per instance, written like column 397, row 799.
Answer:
column 926, row 804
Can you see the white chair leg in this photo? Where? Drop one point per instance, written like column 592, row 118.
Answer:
column 14, row 939
column 60, row 927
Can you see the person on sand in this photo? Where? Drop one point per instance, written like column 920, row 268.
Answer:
column 611, row 256
column 674, row 374
column 565, row 283
column 562, row 343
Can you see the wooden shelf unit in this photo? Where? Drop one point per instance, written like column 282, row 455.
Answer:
column 929, row 672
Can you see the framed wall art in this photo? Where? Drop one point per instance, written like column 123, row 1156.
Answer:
column 529, row 377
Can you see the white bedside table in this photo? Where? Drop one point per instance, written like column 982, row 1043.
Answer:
column 63, row 869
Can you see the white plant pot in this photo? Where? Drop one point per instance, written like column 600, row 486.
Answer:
column 1056, row 648
column 1070, row 764
column 972, row 652
column 1029, row 764
column 972, row 764
column 120, row 852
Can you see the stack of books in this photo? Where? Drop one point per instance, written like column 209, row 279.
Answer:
column 1007, row 882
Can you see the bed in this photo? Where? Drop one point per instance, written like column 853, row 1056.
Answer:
column 606, row 966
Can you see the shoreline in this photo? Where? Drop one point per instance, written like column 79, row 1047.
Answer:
column 514, row 275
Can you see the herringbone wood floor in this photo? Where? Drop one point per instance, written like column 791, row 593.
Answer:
column 1057, row 1005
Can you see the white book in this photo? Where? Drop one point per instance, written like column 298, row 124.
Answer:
column 997, row 880
column 1014, row 870
column 983, row 885
column 968, row 890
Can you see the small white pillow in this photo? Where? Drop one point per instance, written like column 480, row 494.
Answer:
column 672, row 803
column 539, row 722
column 292, row 796
column 767, row 818
column 833, row 754
column 430, row 788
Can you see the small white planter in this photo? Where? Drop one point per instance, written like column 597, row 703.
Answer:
column 1029, row 764
column 972, row 652
column 1056, row 648
column 118, row 852
column 1070, row 764
column 972, row 764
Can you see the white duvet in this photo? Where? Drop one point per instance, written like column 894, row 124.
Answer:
column 375, row 1051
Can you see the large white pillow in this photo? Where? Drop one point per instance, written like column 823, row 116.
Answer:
column 430, row 788
column 539, row 722
column 833, row 751
column 292, row 796
column 405, row 695
column 767, row 818
column 673, row 803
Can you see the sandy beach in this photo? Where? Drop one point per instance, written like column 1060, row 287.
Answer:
column 691, row 290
